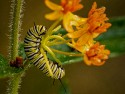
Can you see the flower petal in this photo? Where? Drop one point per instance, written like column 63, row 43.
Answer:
column 63, row 2
column 53, row 16
column 84, row 39
column 52, row 5
column 86, row 60
column 69, row 20
column 94, row 6
column 97, row 62
column 77, row 5
column 77, row 34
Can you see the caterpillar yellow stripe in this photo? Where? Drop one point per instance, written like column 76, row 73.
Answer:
column 32, row 47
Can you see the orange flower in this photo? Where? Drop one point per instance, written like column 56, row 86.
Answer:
column 96, row 55
column 97, row 20
column 89, row 28
column 70, row 5
column 62, row 9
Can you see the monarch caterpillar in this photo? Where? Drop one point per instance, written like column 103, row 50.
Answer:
column 37, row 55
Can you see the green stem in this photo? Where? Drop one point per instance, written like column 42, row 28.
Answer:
column 15, row 25
column 54, row 37
column 56, row 43
column 14, row 83
column 50, row 30
column 66, row 53
column 15, row 80
column 47, row 62
column 58, row 38
column 52, row 54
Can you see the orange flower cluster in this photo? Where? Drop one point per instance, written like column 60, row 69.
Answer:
column 92, row 26
column 97, row 20
column 96, row 55
column 63, row 9
column 81, row 30
column 70, row 5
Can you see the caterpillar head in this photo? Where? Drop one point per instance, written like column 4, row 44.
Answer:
column 40, row 29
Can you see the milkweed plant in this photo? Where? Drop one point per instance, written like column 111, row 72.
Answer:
column 70, row 39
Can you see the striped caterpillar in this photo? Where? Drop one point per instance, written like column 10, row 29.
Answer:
column 37, row 55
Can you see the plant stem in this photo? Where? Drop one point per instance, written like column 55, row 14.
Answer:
column 15, row 26
column 51, row 52
column 14, row 83
column 66, row 53
column 49, row 32
column 47, row 62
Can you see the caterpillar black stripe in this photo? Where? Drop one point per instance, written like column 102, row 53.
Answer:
column 32, row 47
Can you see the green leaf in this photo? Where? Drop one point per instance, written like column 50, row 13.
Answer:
column 3, row 66
column 5, row 69
column 21, row 50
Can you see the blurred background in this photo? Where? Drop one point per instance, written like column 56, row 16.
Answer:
column 80, row 78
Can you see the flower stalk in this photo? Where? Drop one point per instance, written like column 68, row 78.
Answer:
column 50, row 30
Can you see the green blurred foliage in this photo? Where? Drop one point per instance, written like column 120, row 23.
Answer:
column 6, row 70
column 114, row 39
column 3, row 66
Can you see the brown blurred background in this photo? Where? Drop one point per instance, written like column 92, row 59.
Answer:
column 107, row 79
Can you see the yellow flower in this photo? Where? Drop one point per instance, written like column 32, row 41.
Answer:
column 62, row 9
column 88, row 28
column 96, row 55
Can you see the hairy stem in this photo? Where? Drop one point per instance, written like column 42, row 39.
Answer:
column 14, row 83
column 15, row 25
